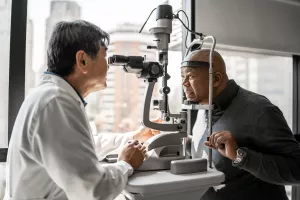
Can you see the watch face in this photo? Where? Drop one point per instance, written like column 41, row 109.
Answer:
column 240, row 155
column 241, row 152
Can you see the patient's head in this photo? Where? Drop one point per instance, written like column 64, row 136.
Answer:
column 195, row 75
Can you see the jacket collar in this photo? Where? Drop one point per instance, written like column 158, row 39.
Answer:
column 61, row 82
column 224, row 99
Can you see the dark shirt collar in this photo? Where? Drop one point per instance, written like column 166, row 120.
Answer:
column 224, row 99
column 82, row 99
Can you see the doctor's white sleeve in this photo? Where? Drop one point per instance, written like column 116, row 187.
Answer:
column 106, row 143
column 63, row 145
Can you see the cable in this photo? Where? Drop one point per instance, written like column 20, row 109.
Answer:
column 187, row 19
column 177, row 17
column 195, row 33
column 147, row 20
column 187, row 28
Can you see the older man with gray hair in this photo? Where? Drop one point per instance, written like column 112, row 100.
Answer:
column 52, row 153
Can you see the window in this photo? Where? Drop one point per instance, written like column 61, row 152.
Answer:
column 5, row 19
column 268, row 75
column 118, row 107
column 5, row 15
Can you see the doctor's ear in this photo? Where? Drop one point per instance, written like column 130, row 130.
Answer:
column 81, row 61
column 218, row 78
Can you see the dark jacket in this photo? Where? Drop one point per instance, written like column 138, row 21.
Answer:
column 273, row 154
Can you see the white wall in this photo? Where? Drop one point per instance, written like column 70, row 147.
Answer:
column 262, row 24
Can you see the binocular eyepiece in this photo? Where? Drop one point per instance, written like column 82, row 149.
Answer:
column 123, row 60
column 136, row 64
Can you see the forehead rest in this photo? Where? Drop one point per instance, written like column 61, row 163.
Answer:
column 194, row 64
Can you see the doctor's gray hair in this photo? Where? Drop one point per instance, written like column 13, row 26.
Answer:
column 67, row 39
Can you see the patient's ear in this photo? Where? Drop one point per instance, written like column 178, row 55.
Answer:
column 218, row 78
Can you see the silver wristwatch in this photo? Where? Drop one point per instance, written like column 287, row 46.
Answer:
column 241, row 154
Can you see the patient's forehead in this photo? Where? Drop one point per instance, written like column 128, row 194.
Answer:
column 198, row 55
column 188, row 69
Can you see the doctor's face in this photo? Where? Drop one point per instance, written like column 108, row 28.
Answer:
column 98, row 69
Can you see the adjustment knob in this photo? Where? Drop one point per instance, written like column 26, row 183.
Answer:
column 166, row 90
column 155, row 69
column 155, row 102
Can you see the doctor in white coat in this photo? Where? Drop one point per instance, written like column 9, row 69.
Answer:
column 52, row 153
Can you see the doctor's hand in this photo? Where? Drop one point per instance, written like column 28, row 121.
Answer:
column 144, row 133
column 133, row 153
column 224, row 142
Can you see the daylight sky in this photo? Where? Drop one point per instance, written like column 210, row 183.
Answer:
column 104, row 13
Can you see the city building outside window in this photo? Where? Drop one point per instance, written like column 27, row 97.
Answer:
column 118, row 108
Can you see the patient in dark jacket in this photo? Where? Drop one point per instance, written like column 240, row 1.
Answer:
column 252, row 142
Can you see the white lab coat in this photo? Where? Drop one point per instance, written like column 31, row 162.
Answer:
column 52, row 152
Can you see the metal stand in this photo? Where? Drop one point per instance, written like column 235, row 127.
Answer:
column 208, row 107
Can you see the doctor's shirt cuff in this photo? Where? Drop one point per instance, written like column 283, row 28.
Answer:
column 128, row 167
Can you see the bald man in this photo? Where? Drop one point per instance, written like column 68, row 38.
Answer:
column 252, row 143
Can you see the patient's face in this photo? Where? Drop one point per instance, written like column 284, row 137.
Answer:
column 195, row 82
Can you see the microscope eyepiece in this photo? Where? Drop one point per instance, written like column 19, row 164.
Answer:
column 136, row 65
column 118, row 60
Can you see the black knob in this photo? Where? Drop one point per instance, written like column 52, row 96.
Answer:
column 151, row 47
column 155, row 102
column 166, row 90
column 167, row 119
column 155, row 69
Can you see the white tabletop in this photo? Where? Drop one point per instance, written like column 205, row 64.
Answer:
column 161, row 181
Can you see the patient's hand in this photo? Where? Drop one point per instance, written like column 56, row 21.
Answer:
column 144, row 133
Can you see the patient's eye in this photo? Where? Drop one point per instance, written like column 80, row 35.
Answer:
column 191, row 76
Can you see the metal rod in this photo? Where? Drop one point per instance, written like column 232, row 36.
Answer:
column 165, row 83
column 210, row 97
column 146, row 111
column 184, row 141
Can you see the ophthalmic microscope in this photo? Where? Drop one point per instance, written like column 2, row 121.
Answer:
column 167, row 173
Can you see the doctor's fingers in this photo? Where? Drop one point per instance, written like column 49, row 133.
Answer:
column 132, row 142
column 138, row 146
column 140, row 153
column 142, row 147
column 144, row 152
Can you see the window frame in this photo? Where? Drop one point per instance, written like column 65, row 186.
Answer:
column 17, row 70
column 296, row 94
column 296, row 112
column 17, row 74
